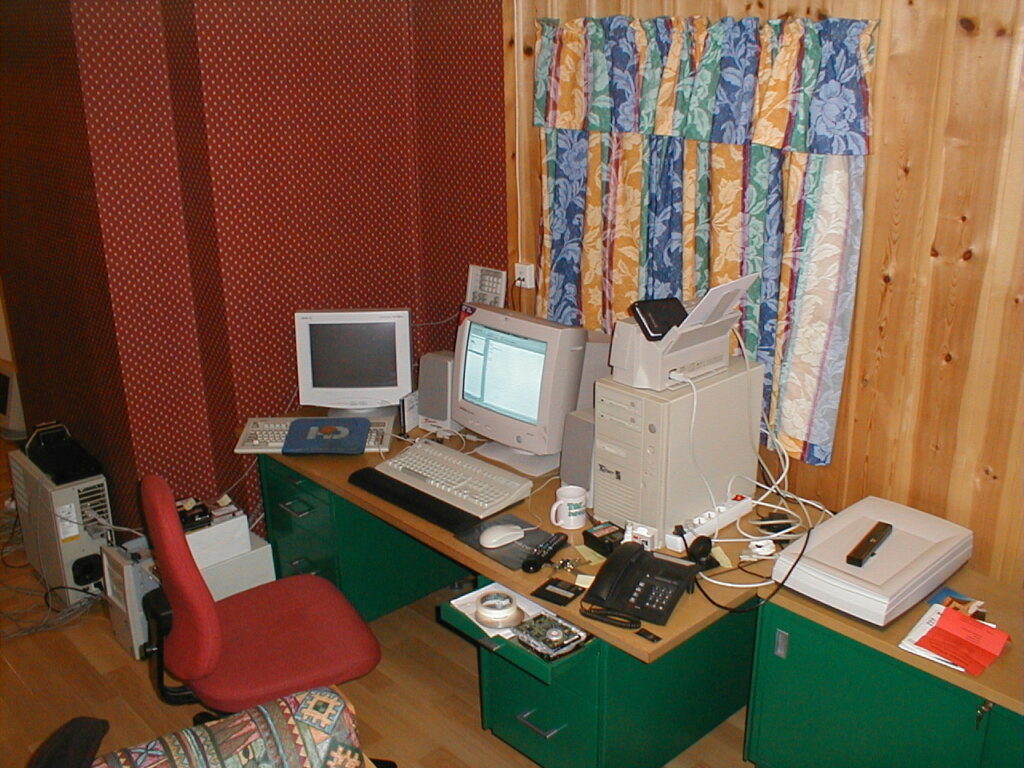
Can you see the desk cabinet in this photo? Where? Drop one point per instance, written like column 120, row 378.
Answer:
column 821, row 698
column 602, row 708
column 313, row 530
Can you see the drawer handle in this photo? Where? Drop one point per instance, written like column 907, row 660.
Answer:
column 489, row 643
column 984, row 709
column 287, row 507
column 522, row 718
column 302, row 564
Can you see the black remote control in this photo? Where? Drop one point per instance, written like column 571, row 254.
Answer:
column 869, row 544
column 543, row 552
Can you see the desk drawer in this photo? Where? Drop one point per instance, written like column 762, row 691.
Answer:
column 288, row 482
column 555, row 728
column 576, row 672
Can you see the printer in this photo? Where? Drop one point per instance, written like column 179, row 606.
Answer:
column 916, row 553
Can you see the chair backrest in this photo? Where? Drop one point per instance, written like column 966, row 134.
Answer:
column 193, row 647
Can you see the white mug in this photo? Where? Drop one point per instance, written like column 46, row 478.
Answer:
column 570, row 508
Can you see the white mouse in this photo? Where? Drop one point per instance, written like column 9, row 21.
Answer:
column 500, row 535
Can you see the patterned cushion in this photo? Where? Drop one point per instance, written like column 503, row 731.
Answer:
column 313, row 729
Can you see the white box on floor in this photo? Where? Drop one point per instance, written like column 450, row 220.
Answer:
column 246, row 570
column 220, row 541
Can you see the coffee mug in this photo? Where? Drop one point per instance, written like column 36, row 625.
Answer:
column 570, row 508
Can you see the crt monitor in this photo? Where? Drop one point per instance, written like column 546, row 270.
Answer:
column 354, row 361
column 515, row 379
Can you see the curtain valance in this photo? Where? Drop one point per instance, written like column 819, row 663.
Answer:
column 795, row 84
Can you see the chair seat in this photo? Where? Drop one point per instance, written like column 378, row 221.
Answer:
column 285, row 636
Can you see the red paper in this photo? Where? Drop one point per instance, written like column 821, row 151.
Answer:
column 965, row 641
column 972, row 631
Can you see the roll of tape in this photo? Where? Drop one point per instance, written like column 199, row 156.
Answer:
column 498, row 610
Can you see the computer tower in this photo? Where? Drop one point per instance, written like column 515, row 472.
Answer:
column 63, row 527
column 656, row 452
column 128, row 577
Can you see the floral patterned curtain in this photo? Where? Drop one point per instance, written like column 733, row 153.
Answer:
column 679, row 154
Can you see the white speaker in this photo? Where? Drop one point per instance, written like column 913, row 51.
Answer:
column 435, row 392
column 577, row 466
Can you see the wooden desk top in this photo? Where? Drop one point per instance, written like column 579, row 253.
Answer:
column 692, row 614
column 1001, row 683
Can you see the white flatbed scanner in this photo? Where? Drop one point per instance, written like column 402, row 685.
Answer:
column 917, row 556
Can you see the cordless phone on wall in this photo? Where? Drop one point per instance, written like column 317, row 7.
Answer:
column 486, row 286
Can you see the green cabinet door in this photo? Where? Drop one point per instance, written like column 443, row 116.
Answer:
column 820, row 698
column 380, row 567
column 1004, row 739
column 300, row 523
column 377, row 566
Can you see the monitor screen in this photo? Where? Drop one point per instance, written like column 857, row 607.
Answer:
column 353, row 359
column 516, row 378
column 503, row 372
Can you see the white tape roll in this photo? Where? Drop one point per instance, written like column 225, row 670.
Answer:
column 498, row 609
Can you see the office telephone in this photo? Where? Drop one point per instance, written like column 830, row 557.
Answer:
column 635, row 585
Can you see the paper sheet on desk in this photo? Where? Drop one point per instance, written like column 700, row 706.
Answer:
column 965, row 641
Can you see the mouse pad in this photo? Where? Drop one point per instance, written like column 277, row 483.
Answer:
column 510, row 555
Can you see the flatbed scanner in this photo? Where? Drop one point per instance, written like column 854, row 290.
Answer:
column 920, row 552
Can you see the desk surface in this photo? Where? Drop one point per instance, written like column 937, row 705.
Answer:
column 693, row 613
column 1001, row 683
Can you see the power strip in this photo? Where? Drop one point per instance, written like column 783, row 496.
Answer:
column 708, row 523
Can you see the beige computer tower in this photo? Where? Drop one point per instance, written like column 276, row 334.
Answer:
column 652, row 455
column 63, row 527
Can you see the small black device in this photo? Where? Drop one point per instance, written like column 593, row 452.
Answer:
column 197, row 517
column 603, row 537
column 869, row 544
column 51, row 448
column 543, row 552
column 649, row 636
column 699, row 551
column 558, row 591
column 656, row 317
column 634, row 583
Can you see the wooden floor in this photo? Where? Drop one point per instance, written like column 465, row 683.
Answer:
column 420, row 706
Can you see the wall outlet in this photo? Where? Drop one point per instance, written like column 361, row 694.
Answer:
column 524, row 276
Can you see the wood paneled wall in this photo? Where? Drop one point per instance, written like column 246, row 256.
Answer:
column 934, row 394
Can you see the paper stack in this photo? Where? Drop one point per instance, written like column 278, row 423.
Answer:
column 953, row 638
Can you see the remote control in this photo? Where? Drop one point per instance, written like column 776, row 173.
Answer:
column 543, row 552
column 867, row 546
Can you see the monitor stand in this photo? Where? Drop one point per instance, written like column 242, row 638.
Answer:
column 376, row 413
column 530, row 464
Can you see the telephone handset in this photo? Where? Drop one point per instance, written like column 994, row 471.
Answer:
column 634, row 583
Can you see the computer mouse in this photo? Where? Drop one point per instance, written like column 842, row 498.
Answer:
column 500, row 535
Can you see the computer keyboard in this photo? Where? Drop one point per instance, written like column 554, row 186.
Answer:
column 267, row 434
column 465, row 482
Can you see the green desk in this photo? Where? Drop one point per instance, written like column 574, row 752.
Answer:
column 620, row 701
column 843, row 695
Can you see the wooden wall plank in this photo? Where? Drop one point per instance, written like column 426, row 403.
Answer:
column 934, row 386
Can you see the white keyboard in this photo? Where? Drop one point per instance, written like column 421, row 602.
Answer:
column 267, row 434
column 471, row 484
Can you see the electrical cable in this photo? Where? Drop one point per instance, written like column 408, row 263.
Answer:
column 764, row 600
column 693, row 429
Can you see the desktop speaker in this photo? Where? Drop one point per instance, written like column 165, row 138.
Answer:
column 578, row 449
column 435, row 392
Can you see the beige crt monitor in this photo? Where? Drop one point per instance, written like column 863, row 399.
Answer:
column 516, row 378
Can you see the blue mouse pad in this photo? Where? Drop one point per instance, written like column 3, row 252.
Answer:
column 326, row 435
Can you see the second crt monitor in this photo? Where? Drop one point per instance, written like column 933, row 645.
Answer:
column 515, row 379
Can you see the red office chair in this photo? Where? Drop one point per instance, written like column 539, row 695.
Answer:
column 289, row 635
